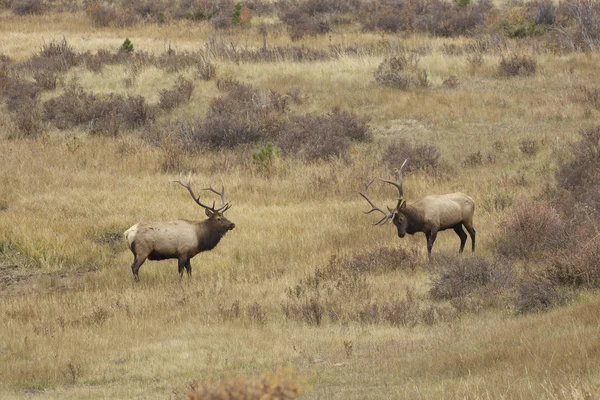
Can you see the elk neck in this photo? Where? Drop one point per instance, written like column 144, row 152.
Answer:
column 209, row 235
column 414, row 219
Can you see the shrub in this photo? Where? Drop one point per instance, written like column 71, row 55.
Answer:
column 281, row 385
column 579, row 28
column 265, row 157
column 21, row 102
column 101, row 15
column 311, row 17
column 21, row 94
column 127, row 46
column 537, row 293
column 529, row 147
column 45, row 79
column 580, row 175
column 531, row 228
column 329, row 292
column 455, row 277
column 104, row 113
column 25, row 7
column 517, row 65
column 315, row 137
column 383, row 259
column 577, row 266
column 54, row 57
column 181, row 93
column 422, row 156
column 205, row 69
column 401, row 72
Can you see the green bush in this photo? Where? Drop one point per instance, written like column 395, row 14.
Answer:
column 127, row 46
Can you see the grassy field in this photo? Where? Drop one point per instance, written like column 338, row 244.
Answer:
column 74, row 324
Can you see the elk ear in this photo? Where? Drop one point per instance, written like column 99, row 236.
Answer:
column 208, row 212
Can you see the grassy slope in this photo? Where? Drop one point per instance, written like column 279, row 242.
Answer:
column 75, row 325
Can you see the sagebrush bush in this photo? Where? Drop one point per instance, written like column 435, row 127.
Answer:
column 329, row 292
column 383, row 259
column 27, row 7
column 531, row 228
column 180, row 94
column 205, row 68
column 402, row 72
column 580, row 175
column 455, row 277
column 422, row 156
column 311, row 17
column 314, row 137
column 577, row 266
column 515, row 64
column 537, row 293
column 579, row 25
column 104, row 114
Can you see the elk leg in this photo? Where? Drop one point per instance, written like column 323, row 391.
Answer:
column 188, row 268
column 135, row 267
column 430, row 240
column 462, row 235
column 471, row 231
column 181, row 263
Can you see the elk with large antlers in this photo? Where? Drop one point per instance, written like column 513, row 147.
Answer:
column 181, row 239
column 429, row 215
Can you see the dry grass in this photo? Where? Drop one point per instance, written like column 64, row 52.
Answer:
column 74, row 324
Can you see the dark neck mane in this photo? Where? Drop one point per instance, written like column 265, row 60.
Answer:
column 414, row 220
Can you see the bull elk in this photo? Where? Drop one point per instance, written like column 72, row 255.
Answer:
column 181, row 239
column 429, row 215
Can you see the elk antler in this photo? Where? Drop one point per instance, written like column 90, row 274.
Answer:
column 386, row 216
column 399, row 184
column 224, row 207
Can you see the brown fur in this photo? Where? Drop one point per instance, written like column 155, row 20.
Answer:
column 429, row 215
column 436, row 213
column 181, row 239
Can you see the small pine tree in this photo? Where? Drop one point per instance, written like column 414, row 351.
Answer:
column 127, row 46
column 236, row 13
column 265, row 157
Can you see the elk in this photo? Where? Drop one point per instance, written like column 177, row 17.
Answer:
column 181, row 239
column 429, row 215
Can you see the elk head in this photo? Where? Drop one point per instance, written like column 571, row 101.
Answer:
column 215, row 215
column 394, row 215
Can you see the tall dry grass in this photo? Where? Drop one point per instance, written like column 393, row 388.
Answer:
column 74, row 324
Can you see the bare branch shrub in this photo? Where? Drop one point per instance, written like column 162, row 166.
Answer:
column 28, row 7
column 515, row 64
column 205, row 69
column 579, row 26
column 401, row 72
column 537, row 293
column 457, row 277
column 580, row 176
column 105, row 114
column 180, row 94
column 422, row 156
column 531, row 228
column 325, row 136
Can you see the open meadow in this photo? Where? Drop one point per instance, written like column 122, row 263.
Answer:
column 305, row 292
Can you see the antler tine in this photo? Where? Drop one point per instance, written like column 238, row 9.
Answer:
column 224, row 205
column 196, row 198
column 386, row 216
column 400, row 179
